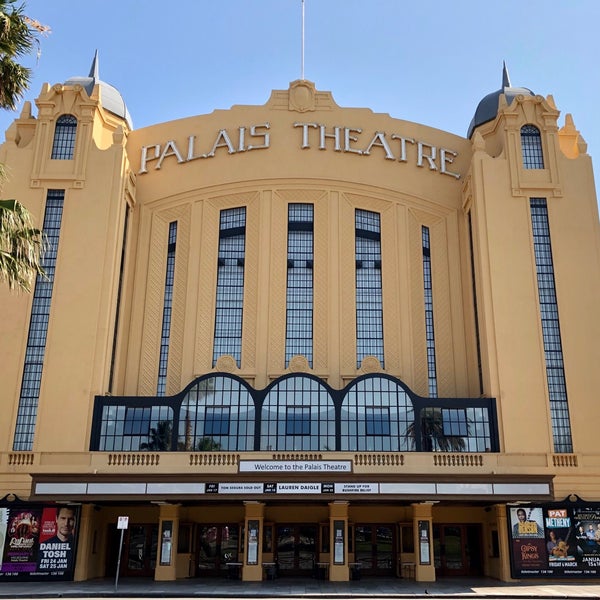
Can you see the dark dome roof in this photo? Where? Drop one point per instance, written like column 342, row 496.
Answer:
column 487, row 109
column 112, row 100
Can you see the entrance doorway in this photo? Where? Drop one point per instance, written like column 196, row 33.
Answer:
column 374, row 548
column 138, row 555
column 296, row 546
column 457, row 549
column 217, row 546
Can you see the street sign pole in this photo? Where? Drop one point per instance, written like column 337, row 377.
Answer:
column 122, row 524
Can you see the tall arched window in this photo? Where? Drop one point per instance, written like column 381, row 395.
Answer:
column 377, row 415
column 531, row 146
column 298, row 414
column 217, row 414
column 63, row 145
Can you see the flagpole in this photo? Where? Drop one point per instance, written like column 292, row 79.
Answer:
column 302, row 75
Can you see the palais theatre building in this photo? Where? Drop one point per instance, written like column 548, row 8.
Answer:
column 301, row 340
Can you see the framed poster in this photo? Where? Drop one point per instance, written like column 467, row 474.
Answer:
column 166, row 543
column 38, row 541
column 252, row 554
column 424, row 543
column 554, row 540
column 338, row 542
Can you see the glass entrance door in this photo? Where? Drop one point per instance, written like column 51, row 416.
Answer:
column 217, row 546
column 457, row 549
column 138, row 555
column 296, row 548
column 374, row 547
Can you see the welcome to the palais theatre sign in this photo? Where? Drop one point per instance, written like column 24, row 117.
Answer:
column 392, row 146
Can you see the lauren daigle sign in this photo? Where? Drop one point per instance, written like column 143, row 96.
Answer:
column 555, row 540
column 37, row 542
column 310, row 136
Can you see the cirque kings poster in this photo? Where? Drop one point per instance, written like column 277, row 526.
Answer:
column 554, row 540
column 37, row 542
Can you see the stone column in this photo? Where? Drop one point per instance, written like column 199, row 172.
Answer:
column 338, row 515
column 252, row 569
column 84, row 546
column 166, row 553
column 423, row 516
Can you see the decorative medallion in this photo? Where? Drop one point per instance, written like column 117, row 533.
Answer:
column 226, row 363
column 370, row 364
column 302, row 95
column 299, row 364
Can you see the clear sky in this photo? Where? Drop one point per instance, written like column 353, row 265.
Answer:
column 429, row 62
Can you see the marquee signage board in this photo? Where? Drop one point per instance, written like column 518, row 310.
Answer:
column 554, row 540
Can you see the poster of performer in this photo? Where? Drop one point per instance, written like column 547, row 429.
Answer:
column 38, row 542
column 570, row 544
column 527, row 533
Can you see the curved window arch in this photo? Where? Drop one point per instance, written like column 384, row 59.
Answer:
column 65, row 131
column 531, row 147
column 217, row 413
column 377, row 415
column 298, row 413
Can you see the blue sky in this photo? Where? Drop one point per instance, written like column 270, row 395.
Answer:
column 429, row 62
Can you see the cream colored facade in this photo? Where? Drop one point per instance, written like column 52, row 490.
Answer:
column 122, row 190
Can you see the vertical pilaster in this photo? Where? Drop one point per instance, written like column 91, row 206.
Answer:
column 338, row 542
column 422, row 527
column 503, row 541
column 168, row 532
column 84, row 544
column 252, row 569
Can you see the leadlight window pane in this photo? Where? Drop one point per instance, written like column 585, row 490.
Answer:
column 531, row 146
column 216, row 421
column 377, row 421
column 299, row 301
column 63, row 145
column 454, row 422
column 298, row 420
column 137, row 421
column 38, row 325
column 369, row 303
column 230, row 285
column 555, row 374
column 167, row 311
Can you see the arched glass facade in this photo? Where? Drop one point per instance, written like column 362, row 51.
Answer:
column 297, row 412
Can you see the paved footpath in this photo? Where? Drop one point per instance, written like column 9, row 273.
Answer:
column 449, row 588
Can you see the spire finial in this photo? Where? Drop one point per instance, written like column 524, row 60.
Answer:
column 505, row 77
column 94, row 70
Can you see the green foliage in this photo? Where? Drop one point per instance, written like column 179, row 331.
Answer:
column 21, row 246
column 18, row 37
column 160, row 437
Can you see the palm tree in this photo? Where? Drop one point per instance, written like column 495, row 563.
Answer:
column 433, row 437
column 18, row 37
column 160, row 437
column 207, row 444
column 20, row 242
column 21, row 246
